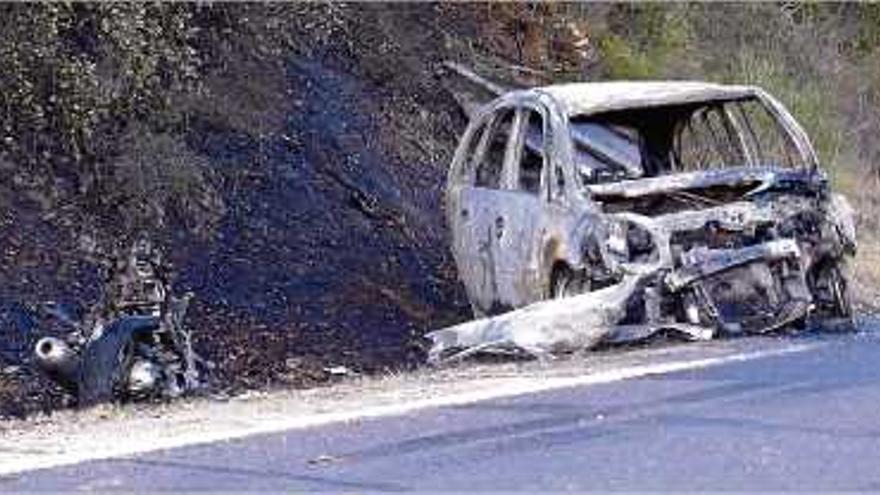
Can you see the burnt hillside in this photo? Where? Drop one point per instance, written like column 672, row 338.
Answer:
column 290, row 158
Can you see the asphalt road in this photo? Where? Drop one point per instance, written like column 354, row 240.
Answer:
column 804, row 421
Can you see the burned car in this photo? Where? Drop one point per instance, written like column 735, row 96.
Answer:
column 689, row 206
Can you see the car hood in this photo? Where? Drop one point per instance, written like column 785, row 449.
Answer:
column 757, row 178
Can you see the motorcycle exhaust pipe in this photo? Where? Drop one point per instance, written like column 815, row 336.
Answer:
column 56, row 359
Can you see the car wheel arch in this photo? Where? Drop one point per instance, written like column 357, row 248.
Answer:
column 557, row 257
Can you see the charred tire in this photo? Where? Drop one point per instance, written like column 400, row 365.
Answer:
column 841, row 292
column 106, row 362
column 565, row 282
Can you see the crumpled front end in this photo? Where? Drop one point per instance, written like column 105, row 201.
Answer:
column 743, row 267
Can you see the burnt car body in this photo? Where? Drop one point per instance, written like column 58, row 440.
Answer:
column 706, row 201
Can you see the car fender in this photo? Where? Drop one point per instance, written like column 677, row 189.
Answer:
column 576, row 246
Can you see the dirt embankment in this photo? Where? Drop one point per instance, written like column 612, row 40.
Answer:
column 326, row 135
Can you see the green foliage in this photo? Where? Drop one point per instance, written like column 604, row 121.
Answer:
column 91, row 92
column 623, row 61
column 76, row 78
column 645, row 41
column 71, row 68
column 820, row 60
column 809, row 100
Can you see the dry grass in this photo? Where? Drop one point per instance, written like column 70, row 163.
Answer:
column 866, row 273
column 863, row 191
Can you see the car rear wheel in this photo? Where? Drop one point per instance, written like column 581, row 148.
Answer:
column 566, row 282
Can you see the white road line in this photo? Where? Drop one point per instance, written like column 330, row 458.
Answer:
column 262, row 425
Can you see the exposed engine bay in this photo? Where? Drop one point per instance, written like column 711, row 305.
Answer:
column 771, row 258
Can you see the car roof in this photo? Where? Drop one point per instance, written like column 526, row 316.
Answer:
column 597, row 97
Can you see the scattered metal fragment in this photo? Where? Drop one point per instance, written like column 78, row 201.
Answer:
column 10, row 370
column 338, row 371
column 541, row 328
column 685, row 207
column 325, row 459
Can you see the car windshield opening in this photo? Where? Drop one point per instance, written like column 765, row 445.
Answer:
column 649, row 142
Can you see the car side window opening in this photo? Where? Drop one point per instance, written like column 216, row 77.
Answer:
column 491, row 164
column 605, row 151
column 531, row 156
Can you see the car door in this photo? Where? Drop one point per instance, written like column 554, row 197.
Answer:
column 476, row 227
column 519, row 216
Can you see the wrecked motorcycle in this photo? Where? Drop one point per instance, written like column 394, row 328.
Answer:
column 139, row 348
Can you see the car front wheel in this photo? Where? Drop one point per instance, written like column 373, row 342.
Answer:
column 834, row 297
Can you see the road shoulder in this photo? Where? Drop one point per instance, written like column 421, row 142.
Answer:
column 71, row 437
